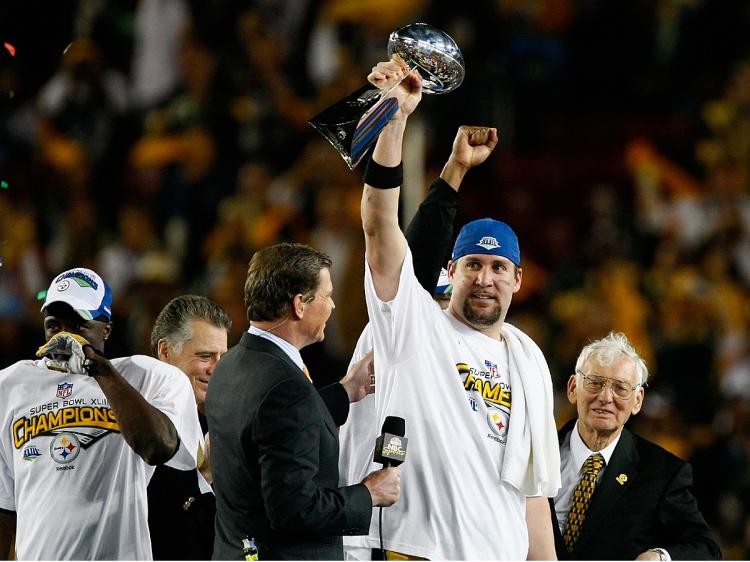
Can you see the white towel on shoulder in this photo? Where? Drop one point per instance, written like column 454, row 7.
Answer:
column 532, row 454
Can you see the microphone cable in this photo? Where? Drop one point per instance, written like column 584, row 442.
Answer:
column 380, row 532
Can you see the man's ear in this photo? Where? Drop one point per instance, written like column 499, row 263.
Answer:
column 298, row 306
column 519, row 279
column 638, row 403
column 451, row 269
column 571, row 389
column 162, row 349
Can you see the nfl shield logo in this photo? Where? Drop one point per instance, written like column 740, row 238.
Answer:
column 64, row 390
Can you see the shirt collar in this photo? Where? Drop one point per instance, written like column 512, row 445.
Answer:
column 285, row 346
column 579, row 452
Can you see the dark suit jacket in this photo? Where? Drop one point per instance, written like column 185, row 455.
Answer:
column 655, row 507
column 180, row 517
column 274, row 454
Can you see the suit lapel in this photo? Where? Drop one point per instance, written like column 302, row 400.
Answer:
column 619, row 473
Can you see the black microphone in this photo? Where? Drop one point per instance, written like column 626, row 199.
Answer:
column 390, row 447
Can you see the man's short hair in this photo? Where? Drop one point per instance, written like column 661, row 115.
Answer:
column 608, row 349
column 279, row 272
column 173, row 322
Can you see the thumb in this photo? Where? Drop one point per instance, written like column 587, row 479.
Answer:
column 91, row 352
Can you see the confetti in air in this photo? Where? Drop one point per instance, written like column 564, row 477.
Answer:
column 4, row 184
column 10, row 48
column 41, row 295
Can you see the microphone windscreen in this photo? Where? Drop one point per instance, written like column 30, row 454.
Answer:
column 394, row 425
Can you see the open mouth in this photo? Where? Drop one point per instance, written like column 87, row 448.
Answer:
column 482, row 298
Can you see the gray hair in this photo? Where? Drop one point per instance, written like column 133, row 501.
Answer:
column 173, row 322
column 606, row 350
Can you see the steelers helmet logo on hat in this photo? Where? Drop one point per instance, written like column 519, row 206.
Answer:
column 84, row 291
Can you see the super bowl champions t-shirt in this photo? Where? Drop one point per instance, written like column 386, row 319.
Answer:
column 78, row 489
column 452, row 386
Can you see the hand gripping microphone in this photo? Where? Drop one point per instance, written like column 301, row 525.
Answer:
column 390, row 450
column 390, row 447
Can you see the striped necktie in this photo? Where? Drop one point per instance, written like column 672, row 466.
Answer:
column 581, row 499
column 307, row 373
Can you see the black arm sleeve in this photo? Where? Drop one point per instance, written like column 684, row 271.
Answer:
column 430, row 233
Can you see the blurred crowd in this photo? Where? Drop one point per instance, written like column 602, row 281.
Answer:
column 160, row 142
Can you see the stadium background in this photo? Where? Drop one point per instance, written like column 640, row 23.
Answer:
column 160, row 142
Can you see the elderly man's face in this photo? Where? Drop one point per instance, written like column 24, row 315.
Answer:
column 601, row 414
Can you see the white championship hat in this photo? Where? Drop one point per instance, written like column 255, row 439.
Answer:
column 84, row 290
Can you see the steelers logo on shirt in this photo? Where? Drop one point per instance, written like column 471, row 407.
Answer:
column 64, row 448
column 498, row 421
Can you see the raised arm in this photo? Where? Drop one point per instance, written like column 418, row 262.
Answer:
column 146, row 429
column 430, row 232
column 384, row 242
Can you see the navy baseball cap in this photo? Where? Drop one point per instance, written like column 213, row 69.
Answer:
column 487, row 236
column 84, row 291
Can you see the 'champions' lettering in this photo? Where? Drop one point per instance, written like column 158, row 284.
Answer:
column 25, row 429
column 490, row 392
column 494, row 393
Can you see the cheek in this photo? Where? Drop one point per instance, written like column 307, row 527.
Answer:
column 88, row 334
column 196, row 367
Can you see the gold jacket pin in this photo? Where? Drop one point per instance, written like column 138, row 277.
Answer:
column 622, row 479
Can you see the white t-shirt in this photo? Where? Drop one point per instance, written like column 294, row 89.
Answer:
column 78, row 489
column 452, row 386
column 357, row 436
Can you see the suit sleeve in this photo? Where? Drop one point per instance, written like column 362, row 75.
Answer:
column 430, row 233
column 288, row 432
column 337, row 401
column 688, row 535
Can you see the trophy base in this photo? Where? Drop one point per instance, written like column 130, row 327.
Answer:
column 353, row 124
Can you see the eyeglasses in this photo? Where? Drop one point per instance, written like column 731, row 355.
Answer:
column 595, row 384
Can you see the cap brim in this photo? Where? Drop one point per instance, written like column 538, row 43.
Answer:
column 77, row 306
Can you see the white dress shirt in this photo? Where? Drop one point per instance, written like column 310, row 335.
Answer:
column 573, row 453
column 285, row 346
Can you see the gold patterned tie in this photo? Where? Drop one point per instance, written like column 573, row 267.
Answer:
column 307, row 373
column 579, row 503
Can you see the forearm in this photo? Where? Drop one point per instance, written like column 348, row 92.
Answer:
column 147, row 430
column 539, row 524
column 453, row 173
column 384, row 241
column 430, row 233
column 684, row 533
column 7, row 533
column 388, row 148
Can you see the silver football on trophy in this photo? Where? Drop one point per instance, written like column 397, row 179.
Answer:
column 433, row 52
